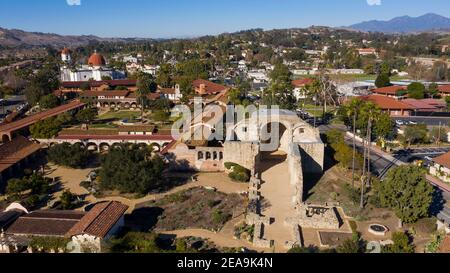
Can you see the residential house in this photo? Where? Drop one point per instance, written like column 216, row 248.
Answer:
column 300, row 91
column 390, row 105
column 394, row 91
column 204, row 87
column 83, row 229
column 173, row 94
column 441, row 167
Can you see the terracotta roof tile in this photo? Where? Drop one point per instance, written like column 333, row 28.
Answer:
column 210, row 87
column 389, row 90
column 16, row 150
column 387, row 103
column 444, row 88
column 443, row 160
column 45, row 223
column 445, row 246
column 99, row 220
column 302, row 82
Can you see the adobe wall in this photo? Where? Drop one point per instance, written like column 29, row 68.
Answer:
column 245, row 154
column 312, row 157
column 295, row 167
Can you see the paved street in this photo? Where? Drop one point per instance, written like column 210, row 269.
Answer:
column 430, row 121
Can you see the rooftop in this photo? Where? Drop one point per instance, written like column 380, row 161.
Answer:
column 99, row 220
column 15, row 151
column 387, row 103
column 45, row 223
column 443, row 160
column 389, row 90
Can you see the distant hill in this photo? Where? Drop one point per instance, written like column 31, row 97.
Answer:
column 16, row 38
column 406, row 24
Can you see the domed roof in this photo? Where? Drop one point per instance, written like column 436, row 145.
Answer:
column 96, row 60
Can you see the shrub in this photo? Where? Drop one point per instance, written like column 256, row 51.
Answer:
column 219, row 217
column 238, row 173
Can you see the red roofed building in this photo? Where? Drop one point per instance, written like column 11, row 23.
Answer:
column 441, row 167
column 445, row 245
column 390, row 105
column 367, row 51
column 393, row 91
column 444, row 90
column 204, row 87
column 421, row 105
column 299, row 87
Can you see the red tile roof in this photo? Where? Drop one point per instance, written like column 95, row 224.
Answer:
column 444, row 88
column 443, row 160
column 389, row 90
column 445, row 245
column 16, row 150
column 45, row 223
column 99, row 220
column 302, row 82
column 387, row 103
column 167, row 91
column 96, row 60
column 419, row 104
column 210, row 87
column 111, row 93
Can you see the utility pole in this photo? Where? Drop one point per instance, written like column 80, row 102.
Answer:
column 439, row 135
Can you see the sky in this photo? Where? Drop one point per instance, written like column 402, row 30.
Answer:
column 191, row 18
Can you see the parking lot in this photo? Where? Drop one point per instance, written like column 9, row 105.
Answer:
column 429, row 121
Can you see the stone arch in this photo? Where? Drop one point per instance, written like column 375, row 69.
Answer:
column 156, row 147
column 207, row 155
column 106, row 104
column 275, row 140
column 220, row 155
column 92, row 146
column 215, row 156
column 200, row 155
column 5, row 138
column 127, row 105
column 104, row 147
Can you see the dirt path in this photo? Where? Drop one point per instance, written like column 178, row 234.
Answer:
column 278, row 192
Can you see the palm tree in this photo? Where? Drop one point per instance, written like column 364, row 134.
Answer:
column 353, row 109
column 371, row 113
column 145, row 86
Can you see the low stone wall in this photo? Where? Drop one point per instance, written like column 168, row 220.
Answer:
column 326, row 220
column 258, row 239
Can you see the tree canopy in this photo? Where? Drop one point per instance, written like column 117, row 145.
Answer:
column 67, row 155
column 131, row 169
column 407, row 192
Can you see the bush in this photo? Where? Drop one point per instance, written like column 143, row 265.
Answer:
column 353, row 225
column 219, row 217
column 238, row 173
column 67, row 155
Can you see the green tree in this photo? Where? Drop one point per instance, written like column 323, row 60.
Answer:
column 402, row 244
column 145, row 86
column 49, row 101
column 416, row 90
column 46, row 128
column 382, row 81
column 433, row 90
column 407, row 192
column 67, row 155
column 416, row 134
column 87, row 115
column 131, row 170
column 67, row 200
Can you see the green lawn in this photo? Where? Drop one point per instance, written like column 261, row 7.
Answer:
column 119, row 115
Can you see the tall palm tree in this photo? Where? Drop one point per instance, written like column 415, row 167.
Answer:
column 353, row 109
column 371, row 113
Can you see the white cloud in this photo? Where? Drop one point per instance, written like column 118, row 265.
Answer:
column 374, row 2
column 73, row 2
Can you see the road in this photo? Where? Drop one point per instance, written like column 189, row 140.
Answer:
column 430, row 121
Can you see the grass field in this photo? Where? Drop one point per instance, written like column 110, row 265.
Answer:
column 119, row 115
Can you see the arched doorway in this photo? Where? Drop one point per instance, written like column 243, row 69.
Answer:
column 274, row 136
column 5, row 138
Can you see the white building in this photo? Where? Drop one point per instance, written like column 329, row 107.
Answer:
column 95, row 69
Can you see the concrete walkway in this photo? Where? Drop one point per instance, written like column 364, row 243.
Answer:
column 277, row 193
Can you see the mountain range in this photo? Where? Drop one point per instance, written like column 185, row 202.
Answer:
column 16, row 37
column 406, row 24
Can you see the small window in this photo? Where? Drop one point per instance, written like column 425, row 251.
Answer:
column 244, row 129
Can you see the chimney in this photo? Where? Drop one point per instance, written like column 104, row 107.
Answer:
column 202, row 90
